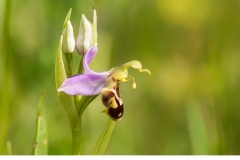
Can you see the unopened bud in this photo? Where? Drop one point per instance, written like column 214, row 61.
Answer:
column 68, row 38
column 87, row 36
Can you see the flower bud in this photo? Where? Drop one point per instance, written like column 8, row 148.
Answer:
column 87, row 35
column 68, row 38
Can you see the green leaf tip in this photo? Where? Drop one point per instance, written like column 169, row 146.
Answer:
column 67, row 18
column 104, row 138
column 41, row 139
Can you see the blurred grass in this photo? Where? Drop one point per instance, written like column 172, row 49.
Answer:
column 5, row 87
column 191, row 47
column 41, row 135
column 197, row 129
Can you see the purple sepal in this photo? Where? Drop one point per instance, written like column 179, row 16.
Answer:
column 84, row 84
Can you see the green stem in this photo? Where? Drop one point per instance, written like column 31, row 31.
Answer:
column 5, row 98
column 77, row 98
column 69, row 64
column 76, row 138
column 76, row 131
column 80, row 68
column 67, row 101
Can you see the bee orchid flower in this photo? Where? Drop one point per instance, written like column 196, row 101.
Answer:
column 105, row 83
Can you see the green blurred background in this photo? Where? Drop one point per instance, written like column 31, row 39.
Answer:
column 190, row 103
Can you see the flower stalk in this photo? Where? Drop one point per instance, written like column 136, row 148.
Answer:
column 67, row 100
column 69, row 60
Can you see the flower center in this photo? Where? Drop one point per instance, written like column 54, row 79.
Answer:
column 121, row 73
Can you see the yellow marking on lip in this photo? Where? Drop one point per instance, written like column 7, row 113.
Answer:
column 120, row 114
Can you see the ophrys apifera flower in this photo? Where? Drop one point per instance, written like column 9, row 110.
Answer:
column 105, row 83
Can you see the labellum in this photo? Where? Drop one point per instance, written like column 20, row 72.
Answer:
column 112, row 100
